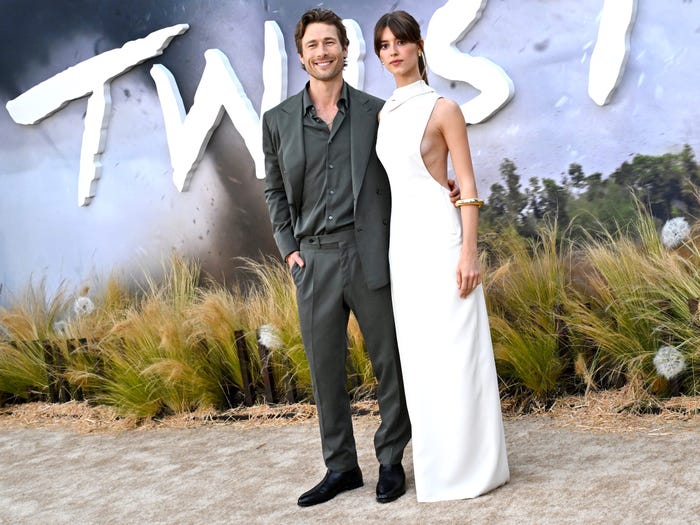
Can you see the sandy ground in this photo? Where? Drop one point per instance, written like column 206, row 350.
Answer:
column 238, row 473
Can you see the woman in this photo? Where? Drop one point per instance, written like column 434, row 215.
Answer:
column 442, row 325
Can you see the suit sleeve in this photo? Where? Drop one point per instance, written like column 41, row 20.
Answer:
column 275, row 194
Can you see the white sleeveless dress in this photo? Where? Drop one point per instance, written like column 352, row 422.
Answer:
column 444, row 341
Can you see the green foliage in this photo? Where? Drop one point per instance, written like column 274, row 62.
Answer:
column 580, row 291
column 524, row 294
column 665, row 185
column 34, row 314
column 213, row 319
column 151, row 364
column 621, row 295
column 636, row 302
column 506, row 203
column 271, row 302
column 22, row 370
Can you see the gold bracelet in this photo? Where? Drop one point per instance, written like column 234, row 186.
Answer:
column 469, row 202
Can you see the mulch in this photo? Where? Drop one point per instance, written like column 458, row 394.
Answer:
column 604, row 411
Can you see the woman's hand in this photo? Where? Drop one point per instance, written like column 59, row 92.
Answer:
column 468, row 274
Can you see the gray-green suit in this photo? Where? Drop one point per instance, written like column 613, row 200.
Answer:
column 343, row 271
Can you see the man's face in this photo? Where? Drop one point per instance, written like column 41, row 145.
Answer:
column 322, row 53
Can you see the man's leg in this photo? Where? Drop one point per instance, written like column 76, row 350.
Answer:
column 374, row 313
column 324, row 318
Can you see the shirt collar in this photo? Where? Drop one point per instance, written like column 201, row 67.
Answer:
column 342, row 101
column 404, row 93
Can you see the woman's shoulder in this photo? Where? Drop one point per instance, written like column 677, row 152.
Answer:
column 448, row 110
column 446, row 104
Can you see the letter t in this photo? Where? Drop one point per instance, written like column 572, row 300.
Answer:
column 90, row 77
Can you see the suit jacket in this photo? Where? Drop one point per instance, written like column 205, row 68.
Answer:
column 283, row 145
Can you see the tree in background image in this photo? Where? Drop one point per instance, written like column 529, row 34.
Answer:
column 667, row 186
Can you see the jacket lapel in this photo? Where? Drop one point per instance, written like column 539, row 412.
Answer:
column 363, row 130
column 291, row 123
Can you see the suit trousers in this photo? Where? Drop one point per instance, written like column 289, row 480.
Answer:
column 329, row 286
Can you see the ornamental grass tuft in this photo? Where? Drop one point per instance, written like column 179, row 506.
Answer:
column 270, row 300
column 637, row 301
column 27, row 325
column 525, row 292
column 613, row 309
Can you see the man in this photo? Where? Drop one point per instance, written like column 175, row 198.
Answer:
column 329, row 204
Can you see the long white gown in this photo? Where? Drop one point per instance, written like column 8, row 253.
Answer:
column 445, row 345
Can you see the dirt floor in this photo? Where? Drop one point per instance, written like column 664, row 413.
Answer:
column 581, row 461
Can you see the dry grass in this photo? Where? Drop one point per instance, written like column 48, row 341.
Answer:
column 619, row 411
column 607, row 411
column 74, row 415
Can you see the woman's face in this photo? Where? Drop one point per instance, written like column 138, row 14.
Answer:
column 399, row 57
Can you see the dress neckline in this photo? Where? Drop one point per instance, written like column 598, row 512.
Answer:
column 407, row 92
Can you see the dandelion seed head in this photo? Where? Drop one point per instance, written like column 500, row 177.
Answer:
column 675, row 232
column 60, row 327
column 269, row 337
column 669, row 361
column 83, row 306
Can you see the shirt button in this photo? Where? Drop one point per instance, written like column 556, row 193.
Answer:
column 330, row 217
column 330, row 166
column 332, row 192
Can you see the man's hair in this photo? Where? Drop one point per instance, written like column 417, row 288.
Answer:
column 322, row 16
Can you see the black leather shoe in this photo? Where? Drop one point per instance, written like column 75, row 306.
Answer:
column 331, row 485
column 391, row 484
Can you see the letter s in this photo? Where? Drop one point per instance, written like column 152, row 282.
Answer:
column 448, row 26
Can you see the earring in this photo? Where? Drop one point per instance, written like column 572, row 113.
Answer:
column 420, row 53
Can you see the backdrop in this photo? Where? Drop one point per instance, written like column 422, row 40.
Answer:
column 530, row 59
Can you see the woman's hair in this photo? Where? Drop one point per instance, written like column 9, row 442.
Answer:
column 404, row 27
column 321, row 16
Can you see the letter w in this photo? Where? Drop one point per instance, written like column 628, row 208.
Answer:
column 219, row 90
column 189, row 134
